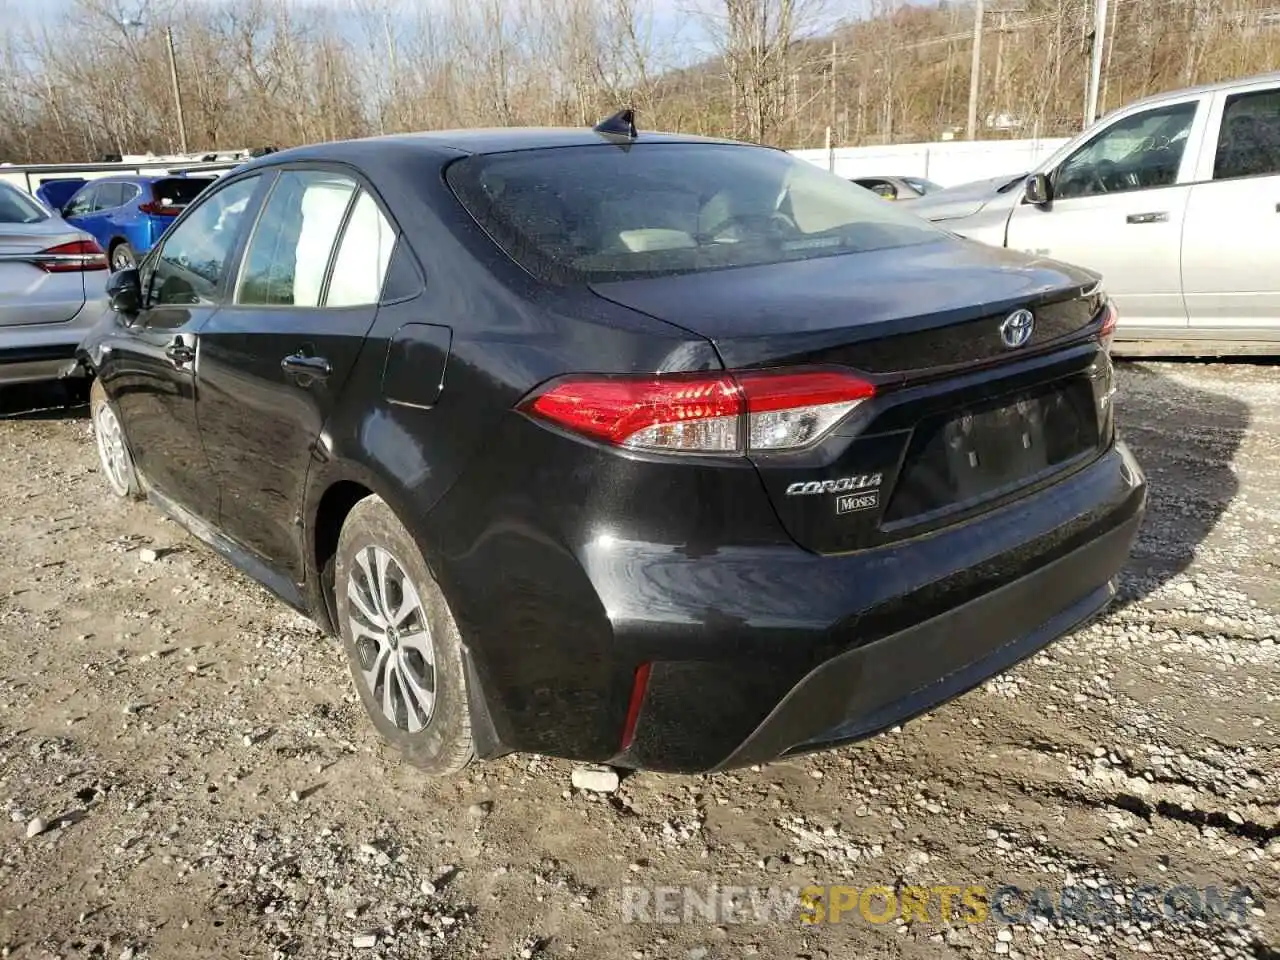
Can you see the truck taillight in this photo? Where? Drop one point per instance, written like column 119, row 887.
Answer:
column 727, row 413
column 73, row 257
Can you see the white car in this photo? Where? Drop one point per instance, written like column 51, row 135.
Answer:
column 1174, row 199
column 52, row 290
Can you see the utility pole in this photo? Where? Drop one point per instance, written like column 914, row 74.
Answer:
column 999, row 84
column 1106, row 61
column 831, row 89
column 177, row 89
column 393, row 91
column 1095, row 66
column 975, row 72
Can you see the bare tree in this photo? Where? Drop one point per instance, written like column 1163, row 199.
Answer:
column 270, row 72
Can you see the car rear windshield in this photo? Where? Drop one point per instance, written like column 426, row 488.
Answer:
column 605, row 212
column 17, row 207
column 179, row 191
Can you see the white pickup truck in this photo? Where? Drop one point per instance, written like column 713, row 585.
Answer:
column 1174, row 199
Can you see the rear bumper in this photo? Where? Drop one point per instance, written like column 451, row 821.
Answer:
column 35, row 352
column 877, row 686
column 912, row 651
column 29, row 364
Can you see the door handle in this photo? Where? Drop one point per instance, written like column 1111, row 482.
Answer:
column 179, row 352
column 1158, row 217
column 298, row 365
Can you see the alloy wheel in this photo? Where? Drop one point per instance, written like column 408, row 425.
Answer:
column 392, row 638
column 121, row 259
column 111, row 449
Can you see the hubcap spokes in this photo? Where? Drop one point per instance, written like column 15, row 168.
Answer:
column 111, row 448
column 392, row 638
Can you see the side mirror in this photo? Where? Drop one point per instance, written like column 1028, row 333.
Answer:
column 124, row 292
column 1038, row 190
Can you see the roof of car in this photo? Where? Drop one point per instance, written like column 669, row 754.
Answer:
column 453, row 143
column 144, row 179
column 1205, row 88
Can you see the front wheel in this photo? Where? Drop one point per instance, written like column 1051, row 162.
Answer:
column 401, row 641
column 113, row 449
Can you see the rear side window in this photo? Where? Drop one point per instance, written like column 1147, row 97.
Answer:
column 363, row 255
column 881, row 187
column 289, row 252
column 17, row 207
column 178, row 191
column 1249, row 143
column 109, row 196
column 597, row 213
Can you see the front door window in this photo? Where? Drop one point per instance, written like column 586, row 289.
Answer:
column 1141, row 151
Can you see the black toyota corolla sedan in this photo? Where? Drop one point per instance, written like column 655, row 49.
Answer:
column 647, row 450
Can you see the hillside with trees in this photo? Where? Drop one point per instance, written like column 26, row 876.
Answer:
column 257, row 72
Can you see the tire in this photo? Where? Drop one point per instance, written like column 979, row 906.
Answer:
column 113, row 448
column 414, row 692
column 122, row 257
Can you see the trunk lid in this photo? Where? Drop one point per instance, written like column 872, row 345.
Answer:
column 890, row 312
column 961, row 421
column 29, row 295
column 56, row 191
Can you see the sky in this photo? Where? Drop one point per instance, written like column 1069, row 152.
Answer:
column 671, row 17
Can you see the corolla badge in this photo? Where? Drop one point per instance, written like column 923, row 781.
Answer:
column 1016, row 329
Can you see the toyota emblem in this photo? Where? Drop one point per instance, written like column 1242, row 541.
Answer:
column 1016, row 329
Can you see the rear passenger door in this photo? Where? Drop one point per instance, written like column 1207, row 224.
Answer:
column 274, row 360
column 1231, row 244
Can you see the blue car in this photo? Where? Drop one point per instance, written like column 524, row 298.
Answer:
column 126, row 214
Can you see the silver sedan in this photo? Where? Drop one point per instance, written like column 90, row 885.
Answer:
column 52, row 289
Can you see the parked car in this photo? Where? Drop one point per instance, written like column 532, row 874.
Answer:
column 966, row 199
column 1173, row 200
column 52, row 290
column 897, row 188
column 127, row 214
column 629, row 448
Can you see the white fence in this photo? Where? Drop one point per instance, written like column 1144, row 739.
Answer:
column 948, row 162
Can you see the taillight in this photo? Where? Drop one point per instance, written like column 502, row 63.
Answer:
column 73, row 257
column 791, row 410
column 704, row 413
column 1110, row 316
column 157, row 209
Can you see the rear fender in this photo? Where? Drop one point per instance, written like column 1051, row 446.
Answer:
column 322, row 476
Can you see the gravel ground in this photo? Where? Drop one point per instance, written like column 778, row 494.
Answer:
column 185, row 771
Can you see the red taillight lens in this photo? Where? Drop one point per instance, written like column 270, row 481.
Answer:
column 697, row 414
column 700, row 413
column 790, row 410
column 157, row 209
column 1107, row 331
column 73, row 257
